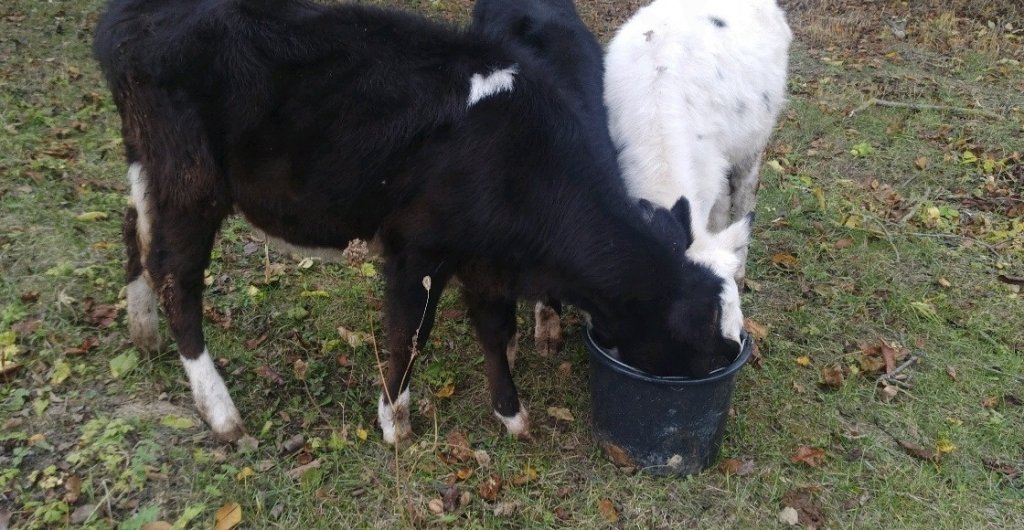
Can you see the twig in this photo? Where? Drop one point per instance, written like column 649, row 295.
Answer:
column 906, row 364
column 957, row 236
column 923, row 106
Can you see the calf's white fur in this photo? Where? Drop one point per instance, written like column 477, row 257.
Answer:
column 693, row 90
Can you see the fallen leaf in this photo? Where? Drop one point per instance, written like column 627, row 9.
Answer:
column 445, row 392
column 990, row 402
column 561, row 413
column 362, row 434
column 177, row 422
column 436, row 506
column 785, row 261
column 489, row 487
column 887, row 392
column 889, row 354
column 529, row 474
column 843, row 244
column 450, row 497
column 618, row 455
column 944, row 447
column 301, row 368
column 507, row 508
column 298, row 472
column 789, row 516
column 921, row 163
column 951, row 372
column 124, row 363
column 1008, row 470
column 832, row 376
column 804, row 361
column 565, row 369
column 736, row 466
column 252, row 344
column 87, row 344
column 755, row 328
column 228, row 516
column 103, row 315
column 482, row 458
column 919, row 452
column 157, row 525
column 944, row 282
column 607, row 510
column 61, row 371
column 811, row 456
column 245, row 473
column 73, row 485
column 91, row 216
column 808, row 512
column 457, row 449
column 26, row 327
column 463, row 473
column 270, row 374
column 83, row 513
column 1012, row 280
column 293, row 444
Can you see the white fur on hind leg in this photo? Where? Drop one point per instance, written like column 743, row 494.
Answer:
column 394, row 418
column 143, row 322
column 512, row 351
column 547, row 335
column 518, row 425
column 212, row 398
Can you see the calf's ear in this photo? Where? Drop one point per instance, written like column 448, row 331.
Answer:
column 665, row 225
column 681, row 212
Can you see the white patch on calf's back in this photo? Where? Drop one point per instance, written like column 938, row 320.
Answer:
column 212, row 397
column 394, row 417
column 496, row 82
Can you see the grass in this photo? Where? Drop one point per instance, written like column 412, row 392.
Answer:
column 883, row 251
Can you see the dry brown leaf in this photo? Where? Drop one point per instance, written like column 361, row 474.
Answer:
column 944, row 282
column 1008, row 470
column 785, row 261
column 951, row 372
column 436, row 506
column 990, row 402
column 889, row 354
column 252, row 344
column 489, row 487
column 463, row 473
column 887, row 393
column 607, row 510
column 228, row 516
column 919, row 452
column 298, row 472
column 157, row 525
column 832, row 376
column 811, row 456
column 565, row 369
column 270, row 374
column 843, row 243
column 618, row 455
column 736, row 466
column 529, row 474
column 73, row 485
column 450, row 496
column 103, row 315
column 809, row 514
column 301, row 368
column 921, row 163
column 87, row 344
column 457, row 450
column 755, row 328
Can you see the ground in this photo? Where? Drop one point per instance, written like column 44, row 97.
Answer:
column 890, row 230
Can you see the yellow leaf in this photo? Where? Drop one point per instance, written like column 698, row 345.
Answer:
column 362, row 434
column 91, row 216
column 560, row 413
column 445, row 391
column 245, row 473
column 921, row 162
column 803, row 360
column 228, row 516
column 944, row 446
column 787, row 261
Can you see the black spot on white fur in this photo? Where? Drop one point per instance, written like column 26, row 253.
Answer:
column 717, row 22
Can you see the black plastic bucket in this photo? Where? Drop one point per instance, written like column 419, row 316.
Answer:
column 662, row 425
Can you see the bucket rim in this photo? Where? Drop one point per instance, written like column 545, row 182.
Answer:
column 602, row 356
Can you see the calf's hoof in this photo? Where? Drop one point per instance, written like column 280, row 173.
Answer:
column 394, row 418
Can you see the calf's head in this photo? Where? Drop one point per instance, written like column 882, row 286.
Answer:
column 695, row 329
